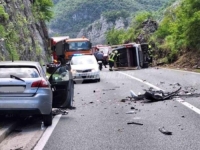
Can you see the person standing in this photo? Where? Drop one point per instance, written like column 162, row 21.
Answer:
column 112, row 58
column 99, row 57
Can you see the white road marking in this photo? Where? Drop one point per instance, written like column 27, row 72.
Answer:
column 147, row 83
column 45, row 137
column 182, row 71
column 195, row 109
column 188, row 105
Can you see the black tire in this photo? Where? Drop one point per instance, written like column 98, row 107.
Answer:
column 47, row 119
column 98, row 80
column 100, row 67
column 145, row 65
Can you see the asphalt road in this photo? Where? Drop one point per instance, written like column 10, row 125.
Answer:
column 100, row 120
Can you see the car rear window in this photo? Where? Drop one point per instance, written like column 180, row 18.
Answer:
column 21, row 72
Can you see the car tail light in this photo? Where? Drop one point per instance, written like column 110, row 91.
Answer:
column 40, row 83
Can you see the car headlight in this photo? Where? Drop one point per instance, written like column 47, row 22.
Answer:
column 94, row 70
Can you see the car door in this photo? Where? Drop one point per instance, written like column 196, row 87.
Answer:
column 60, row 85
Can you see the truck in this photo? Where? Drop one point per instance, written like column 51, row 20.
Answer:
column 132, row 56
column 64, row 47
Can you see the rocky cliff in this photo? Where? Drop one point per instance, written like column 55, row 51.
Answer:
column 22, row 36
column 97, row 30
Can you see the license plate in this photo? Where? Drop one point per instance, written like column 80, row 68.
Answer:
column 82, row 74
column 11, row 89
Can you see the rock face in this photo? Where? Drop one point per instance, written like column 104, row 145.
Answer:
column 23, row 37
column 96, row 31
column 147, row 28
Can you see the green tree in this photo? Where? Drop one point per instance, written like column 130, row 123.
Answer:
column 42, row 9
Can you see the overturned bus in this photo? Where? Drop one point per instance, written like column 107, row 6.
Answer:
column 132, row 56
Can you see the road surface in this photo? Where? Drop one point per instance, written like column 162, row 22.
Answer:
column 100, row 120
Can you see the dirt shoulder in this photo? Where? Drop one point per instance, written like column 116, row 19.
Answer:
column 189, row 61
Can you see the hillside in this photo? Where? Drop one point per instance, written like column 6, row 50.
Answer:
column 23, row 31
column 71, row 16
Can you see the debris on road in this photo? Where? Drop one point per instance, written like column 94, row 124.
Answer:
column 120, row 130
column 135, row 123
column 133, row 94
column 91, row 102
column 59, row 111
column 164, row 131
column 132, row 107
column 108, row 89
column 123, row 100
column 175, row 84
column 155, row 95
column 131, row 112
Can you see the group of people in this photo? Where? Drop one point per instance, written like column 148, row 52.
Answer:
column 112, row 58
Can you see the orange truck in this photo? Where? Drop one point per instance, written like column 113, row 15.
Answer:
column 63, row 47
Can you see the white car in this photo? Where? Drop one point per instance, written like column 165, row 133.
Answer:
column 85, row 67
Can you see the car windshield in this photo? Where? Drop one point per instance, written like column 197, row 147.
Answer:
column 83, row 60
column 82, row 45
column 21, row 72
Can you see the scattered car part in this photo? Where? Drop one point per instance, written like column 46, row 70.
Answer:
column 135, row 123
column 164, row 131
column 153, row 95
column 131, row 112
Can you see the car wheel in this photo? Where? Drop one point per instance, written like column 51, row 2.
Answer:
column 98, row 80
column 145, row 65
column 47, row 119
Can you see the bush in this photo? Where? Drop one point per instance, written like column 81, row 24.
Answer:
column 3, row 14
column 42, row 9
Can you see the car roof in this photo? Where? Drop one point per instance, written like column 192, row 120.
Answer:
column 83, row 56
column 21, row 63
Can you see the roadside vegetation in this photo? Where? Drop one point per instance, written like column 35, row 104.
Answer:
column 16, row 30
column 178, row 30
column 115, row 36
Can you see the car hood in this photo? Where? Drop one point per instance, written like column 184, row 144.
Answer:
column 84, row 67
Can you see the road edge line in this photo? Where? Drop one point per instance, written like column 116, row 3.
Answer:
column 184, row 71
column 46, row 135
column 181, row 101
